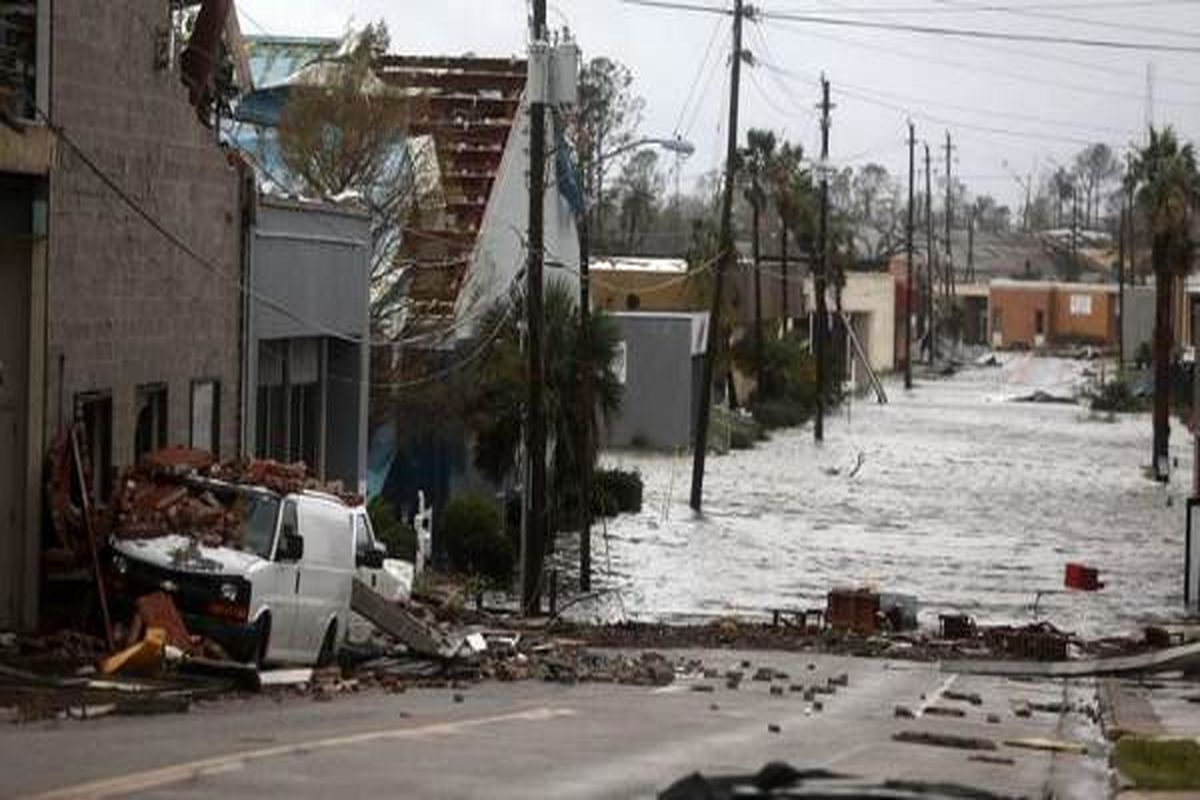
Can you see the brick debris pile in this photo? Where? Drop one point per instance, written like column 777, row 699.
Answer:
column 177, row 491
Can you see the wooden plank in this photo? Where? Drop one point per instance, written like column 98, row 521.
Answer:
column 395, row 621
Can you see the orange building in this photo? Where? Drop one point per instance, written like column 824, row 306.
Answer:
column 1033, row 314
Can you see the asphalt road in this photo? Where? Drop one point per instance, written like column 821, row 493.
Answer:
column 530, row 740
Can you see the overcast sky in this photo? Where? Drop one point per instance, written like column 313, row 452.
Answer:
column 1011, row 107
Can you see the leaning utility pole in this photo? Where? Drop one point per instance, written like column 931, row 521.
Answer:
column 948, row 285
column 821, row 328
column 533, row 544
column 929, row 255
column 1122, row 250
column 908, row 290
column 727, row 254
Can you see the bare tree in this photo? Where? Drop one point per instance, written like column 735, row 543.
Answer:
column 342, row 135
column 1095, row 165
column 638, row 188
column 606, row 120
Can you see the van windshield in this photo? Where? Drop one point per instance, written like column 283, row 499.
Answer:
column 258, row 513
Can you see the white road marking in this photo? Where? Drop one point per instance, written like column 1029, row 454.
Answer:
column 934, row 697
column 179, row 773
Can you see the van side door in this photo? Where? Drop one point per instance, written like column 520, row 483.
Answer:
column 325, row 572
column 281, row 585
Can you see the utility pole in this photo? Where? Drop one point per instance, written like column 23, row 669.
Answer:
column 971, row 245
column 727, row 255
column 1074, row 227
column 949, row 271
column 586, row 408
column 819, row 280
column 783, row 269
column 756, row 212
column 534, row 542
column 929, row 256
column 1129, row 204
column 908, row 289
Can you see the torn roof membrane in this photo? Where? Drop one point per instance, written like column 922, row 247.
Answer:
column 467, row 106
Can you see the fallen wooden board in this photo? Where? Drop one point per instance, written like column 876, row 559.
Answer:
column 944, row 740
column 1169, row 660
column 1048, row 745
column 395, row 621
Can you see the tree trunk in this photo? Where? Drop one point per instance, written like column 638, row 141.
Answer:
column 1163, row 337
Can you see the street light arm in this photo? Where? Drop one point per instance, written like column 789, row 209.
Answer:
column 676, row 146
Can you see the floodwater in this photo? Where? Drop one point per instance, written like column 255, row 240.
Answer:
column 951, row 493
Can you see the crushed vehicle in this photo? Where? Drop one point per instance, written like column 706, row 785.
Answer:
column 264, row 569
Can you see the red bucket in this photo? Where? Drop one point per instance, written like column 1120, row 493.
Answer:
column 1085, row 579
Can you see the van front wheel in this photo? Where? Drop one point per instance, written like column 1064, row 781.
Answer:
column 262, row 640
column 328, row 646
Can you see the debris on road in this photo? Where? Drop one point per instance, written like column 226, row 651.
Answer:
column 1043, row 397
column 944, row 740
column 1048, row 745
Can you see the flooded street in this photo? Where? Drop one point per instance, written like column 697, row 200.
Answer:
column 952, row 493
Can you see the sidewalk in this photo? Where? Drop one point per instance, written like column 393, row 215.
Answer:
column 1154, row 711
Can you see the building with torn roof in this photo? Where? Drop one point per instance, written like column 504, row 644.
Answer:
column 462, row 246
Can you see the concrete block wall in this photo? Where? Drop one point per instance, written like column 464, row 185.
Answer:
column 126, row 307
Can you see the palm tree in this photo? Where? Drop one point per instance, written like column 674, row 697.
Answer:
column 792, row 190
column 499, row 390
column 1168, row 188
column 758, row 157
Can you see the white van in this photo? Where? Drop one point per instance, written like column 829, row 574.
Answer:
column 283, row 596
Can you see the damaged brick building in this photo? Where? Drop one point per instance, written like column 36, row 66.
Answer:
column 104, row 320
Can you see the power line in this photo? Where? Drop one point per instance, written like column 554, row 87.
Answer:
column 200, row 260
column 921, row 101
column 1054, row 58
column 968, row 33
column 995, row 7
column 1106, row 24
column 177, row 242
column 700, row 73
column 679, row 6
column 991, row 72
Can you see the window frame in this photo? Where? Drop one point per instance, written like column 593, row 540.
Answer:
column 215, row 449
column 102, row 483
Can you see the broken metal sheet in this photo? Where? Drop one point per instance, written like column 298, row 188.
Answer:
column 1176, row 658
column 394, row 620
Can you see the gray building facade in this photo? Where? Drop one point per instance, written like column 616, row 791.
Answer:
column 309, row 366
column 660, row 362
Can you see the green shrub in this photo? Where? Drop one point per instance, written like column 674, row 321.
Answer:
column 616, row 492
column 788, row 396
column 1116, row 396
column 775, row 414
column 1144, row 355
column 394, row 533
column 1159, row 764
column 742, row 438
column 474, row 538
